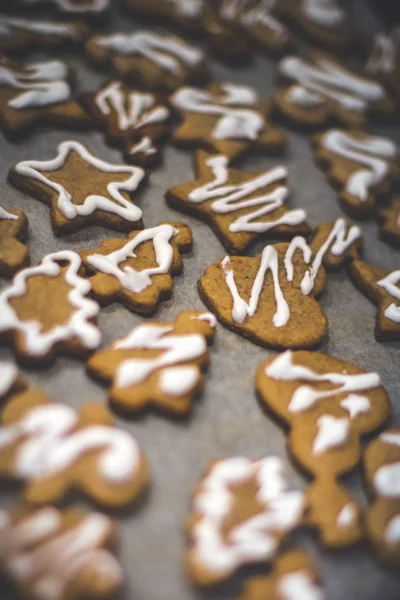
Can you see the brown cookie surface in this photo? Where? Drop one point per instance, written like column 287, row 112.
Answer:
column 317, row 89
column 46, row 310
column 149, row 59
column 157, row 364
column 328, row 404
column 69, row 450
column 226, row 118
column 14, row 254
column 82, row 189
column 239, row 205
column 138, row 271
column 364, row 167
column 381, row 287
column 241, row 512
column 67, row 552
column 381, row 468
column 38, row 92
column 271, row 298
column 293, row 575
column 133, row 120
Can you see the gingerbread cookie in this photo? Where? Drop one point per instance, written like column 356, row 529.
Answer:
column 72, row 7
column 82, row 189
column 390, row 223
column 53, row 449
column 39, row 92
column 365, row 167
column 138, row 271
column 242, row 511
column 326, row 22
column 21, row 34
column 381, row 286
column 149, row 59
column 51, row 554
column 382, row 468
column 328, row 404
column 46, row 309
column 271, row 298
column 238, row 205
column 293, row 577
column 225, row 39
column 14, row 254
column 258, row 20
column 157, row 364
column 384, row 60
column 11, row 381
column 317, row 89
column 134, row 120
column 228, row 118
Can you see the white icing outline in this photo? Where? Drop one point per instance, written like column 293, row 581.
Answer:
column 119, row 205
column 39, row 343
column 6, row 216
column 389, row 284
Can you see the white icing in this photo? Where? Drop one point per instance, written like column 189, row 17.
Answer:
column 299, row 586
column 384, row 53
column 45, row 28
column 83, row 309
column 188, row 8
column 145, row 146
column 387, row 480
column 241, row 309
column 4, row 214
column 48, row 445
column 331, row 82
column 336, row 243
column 250, row 14
column 283, row 369
column 229, row 198
column 390, row 285
column 356, row 405
column 40, row 556
column 332, row 432
column 8, row 376
column 137, row 281
column 371, row 151
column 391, row 437
column 45, row 83
column 133, row 109
column 209, row 317
column 72, row 6
column 392, row 532
column 304, row 97
column 347, row 515
column 118, row 205
column 175, row 349
column 326, row 13
column 253, row 539
column 234, row 123
column 168, row 52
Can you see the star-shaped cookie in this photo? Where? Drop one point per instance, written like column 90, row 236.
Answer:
column 228, row 118
column 239, row 205
column 82, row 189
column 13, row 230
column 382, row 287
column 39, row 92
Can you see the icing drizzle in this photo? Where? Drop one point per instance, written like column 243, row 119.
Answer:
column 373, row 152
column 43, row 84
column 384, row 53
column 168, row 52
column 4, row 214
column 390, row 285
column 45, row 28
column 235, row 122
column 229, row 198
column 78, row 326
column 119, row 205
column 324, row 80
column 304, row 397
column 137, row 281
column 325, row 13
column 336, row 243
column 43, row 557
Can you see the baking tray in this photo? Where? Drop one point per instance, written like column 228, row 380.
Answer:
column 227, row 420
